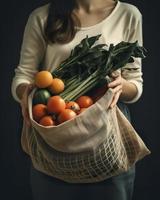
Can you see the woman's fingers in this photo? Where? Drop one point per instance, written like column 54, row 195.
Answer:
column 115, row 98
column 116, row 89
column 115, row 83
column 116, row 86
column 115, row 73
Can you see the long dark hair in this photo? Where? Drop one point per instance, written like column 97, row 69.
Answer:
column 61, row 22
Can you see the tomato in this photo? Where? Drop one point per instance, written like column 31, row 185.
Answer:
column 47, row 121
column 39, row 111
column 84, row 101
column 73, row 106
column 57, row 86
column 66, row 115
column 43, row 79
column 55, row 104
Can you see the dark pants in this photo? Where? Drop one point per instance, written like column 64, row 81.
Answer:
column 116, row 188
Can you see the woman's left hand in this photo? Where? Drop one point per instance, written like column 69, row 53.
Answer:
column 116, row 85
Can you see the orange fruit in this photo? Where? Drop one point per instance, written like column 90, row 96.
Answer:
column 73, row 106
column 38, row 111
column 55, row 104
column 47, row 121
column 57, row 86
column 84, row 101
column 65, row 115
column 43, row 79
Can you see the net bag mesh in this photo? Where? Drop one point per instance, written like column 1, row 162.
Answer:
column 96, row 145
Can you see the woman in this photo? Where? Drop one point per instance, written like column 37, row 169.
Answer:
column 51, row 32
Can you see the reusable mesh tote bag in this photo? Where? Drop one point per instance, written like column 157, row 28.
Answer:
column 97, row 144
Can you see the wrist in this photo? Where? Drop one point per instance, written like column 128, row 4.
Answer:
column 129, row 90
column 21, row 89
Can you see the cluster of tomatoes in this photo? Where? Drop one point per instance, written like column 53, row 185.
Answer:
column 54, row 110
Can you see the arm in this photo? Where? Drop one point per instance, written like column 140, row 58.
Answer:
column 20, row 90
column 130, row 92
column 31, row 55
column 132, row 81
column 128, row 85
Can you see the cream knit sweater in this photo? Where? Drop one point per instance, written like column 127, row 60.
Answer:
column 123, row 24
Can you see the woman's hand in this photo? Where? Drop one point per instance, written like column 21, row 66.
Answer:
column 24, row 103
column 116, row 85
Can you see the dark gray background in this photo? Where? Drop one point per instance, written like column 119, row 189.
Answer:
column 145, row 115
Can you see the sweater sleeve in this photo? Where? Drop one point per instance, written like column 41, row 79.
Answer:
column 31, row 54
column 132, row 72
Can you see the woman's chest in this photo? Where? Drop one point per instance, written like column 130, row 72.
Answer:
column 56, row 53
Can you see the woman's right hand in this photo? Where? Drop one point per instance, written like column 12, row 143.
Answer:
column 24, row 103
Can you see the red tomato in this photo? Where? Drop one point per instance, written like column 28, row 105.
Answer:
column 84, row 101
column 39, row 110
column 65, row 115
column 47, row 121
column 73, row 106
column 55, row 104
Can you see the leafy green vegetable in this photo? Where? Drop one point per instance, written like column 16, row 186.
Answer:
column 90, row 63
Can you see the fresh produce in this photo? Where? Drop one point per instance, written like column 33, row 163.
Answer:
column 57, row 86
column 43, row 79
column 84, row 101
column 55, row 104
column 41, row 96
column 39, row 111
column 88, row 65
column 47, row 121
column 73, row 106
column 66, row 115
column 80, row 80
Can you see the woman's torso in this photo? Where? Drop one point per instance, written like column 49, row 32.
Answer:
column 113, row 29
